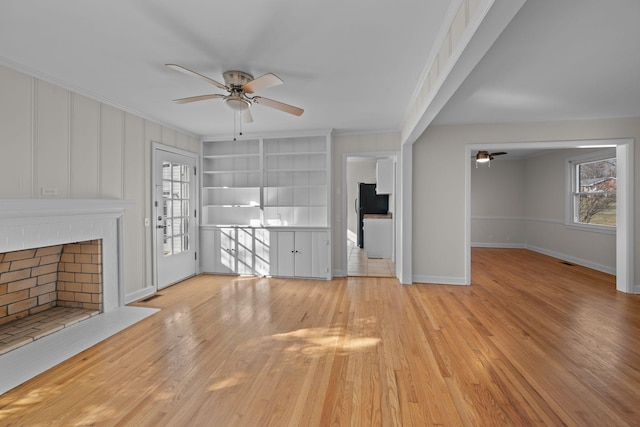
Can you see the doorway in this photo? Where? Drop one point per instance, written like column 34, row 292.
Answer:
column 175, row 206
column 624, row 270
column 369, row 217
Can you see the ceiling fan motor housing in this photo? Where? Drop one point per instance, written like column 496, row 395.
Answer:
column 236, row 78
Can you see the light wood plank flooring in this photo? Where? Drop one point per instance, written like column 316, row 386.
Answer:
column 531, row 342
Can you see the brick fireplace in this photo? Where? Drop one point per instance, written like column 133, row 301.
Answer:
column 38, row 226
column 58, row 255
column 34, row 280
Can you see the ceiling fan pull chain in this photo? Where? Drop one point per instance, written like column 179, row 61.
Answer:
column 234, row 126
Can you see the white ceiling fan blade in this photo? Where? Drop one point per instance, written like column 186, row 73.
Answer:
column 246, row 116
column 197, row 75
column 278, row 105
column 262, row 82
column 198, row 98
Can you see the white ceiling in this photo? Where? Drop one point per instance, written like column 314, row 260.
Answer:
column 556, row 60
column 352, row 65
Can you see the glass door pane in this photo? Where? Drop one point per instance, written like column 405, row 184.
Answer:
column 175, row 198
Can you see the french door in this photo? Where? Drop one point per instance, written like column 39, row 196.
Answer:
column 175, row 207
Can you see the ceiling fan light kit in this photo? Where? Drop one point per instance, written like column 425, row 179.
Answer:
column 486, row 157
column 236, row 103
column 482, row 157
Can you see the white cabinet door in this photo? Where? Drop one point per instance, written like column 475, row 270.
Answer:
column 225, row 250
column 237, row 250
column 378, row 242
column 384, row 176
column 244, row 250
column 286, row 253
column 207, row 250
column 320, row 254
column 302, row 254
column 264, row 252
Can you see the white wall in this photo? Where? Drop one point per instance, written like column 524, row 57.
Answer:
column 351, row 144
column 53, row 138
column 439, row 210
column 497, row 204
column 545, row 211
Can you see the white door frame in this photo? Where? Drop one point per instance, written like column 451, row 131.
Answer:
column 624, row 213
column 346, row 204
column 155, row 147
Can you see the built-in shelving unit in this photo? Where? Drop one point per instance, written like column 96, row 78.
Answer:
column 261, row 188
column 295, row 181
column 231, row 183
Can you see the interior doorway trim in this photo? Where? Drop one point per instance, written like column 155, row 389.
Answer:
column 395, row 155
column 625, row 281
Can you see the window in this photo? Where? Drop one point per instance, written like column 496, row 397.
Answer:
column 592, row 192
column 175, row 198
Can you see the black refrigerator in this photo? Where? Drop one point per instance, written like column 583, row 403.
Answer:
column 368, row 202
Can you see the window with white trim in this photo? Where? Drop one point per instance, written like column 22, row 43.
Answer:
column 592, row 191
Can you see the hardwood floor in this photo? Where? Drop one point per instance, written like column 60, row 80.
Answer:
column 531, row 342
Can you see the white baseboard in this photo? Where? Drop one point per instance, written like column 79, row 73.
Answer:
column 139, row 294
column 574, row 260
column 569, row 258
column 498, row 245
column 439, row 280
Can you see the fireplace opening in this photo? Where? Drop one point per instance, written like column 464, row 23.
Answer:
column 46, row 289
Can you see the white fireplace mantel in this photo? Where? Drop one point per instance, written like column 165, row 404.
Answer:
column 32, row 223
column 34, row 208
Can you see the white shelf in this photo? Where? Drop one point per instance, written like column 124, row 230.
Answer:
column 211, row 172
column 231, row 156
column 231, row 148
column 269, row 181
column 321, row 153
column 231, row 206
column 301, row 169
column 230, row 188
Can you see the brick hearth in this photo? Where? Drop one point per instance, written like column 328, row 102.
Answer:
column 43, row 290
column 21, row 332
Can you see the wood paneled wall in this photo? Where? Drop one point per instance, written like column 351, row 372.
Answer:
column 54, row 139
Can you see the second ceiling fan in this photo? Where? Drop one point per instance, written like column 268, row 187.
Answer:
column 239, row 86
column 485, row 157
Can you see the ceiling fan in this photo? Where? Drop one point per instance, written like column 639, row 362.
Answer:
column 239, row 85
column 486, row 157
